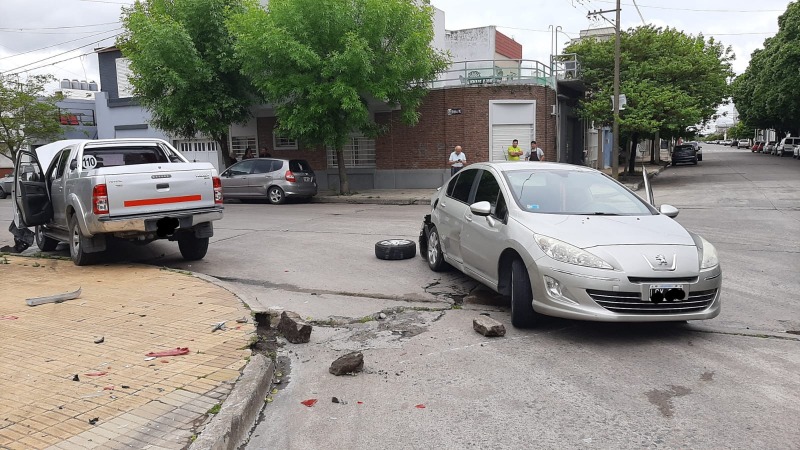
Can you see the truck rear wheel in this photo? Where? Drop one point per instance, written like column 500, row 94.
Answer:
column 192, row 247
column 76, row 245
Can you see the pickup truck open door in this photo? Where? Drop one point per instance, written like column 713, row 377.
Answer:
column 31, row 193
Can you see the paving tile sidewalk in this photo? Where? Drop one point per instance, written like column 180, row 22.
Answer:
column 139, row 403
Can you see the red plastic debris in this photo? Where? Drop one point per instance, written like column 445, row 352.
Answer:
column 174, row 352
column 164, row 361
column 360, row 403
column 310, row 402
column 420, row 406
column 96, row 374
column 9, row 317
column 108, row 388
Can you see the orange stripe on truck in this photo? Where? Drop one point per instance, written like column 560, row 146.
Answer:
column 162, row 201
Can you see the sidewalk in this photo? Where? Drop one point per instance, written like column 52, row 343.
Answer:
column 61, row 386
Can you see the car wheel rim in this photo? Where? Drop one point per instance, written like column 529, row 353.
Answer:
column 275, row 195
column 76, row 241
column 433, row 247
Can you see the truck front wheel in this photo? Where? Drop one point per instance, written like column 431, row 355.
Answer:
column 192, row 247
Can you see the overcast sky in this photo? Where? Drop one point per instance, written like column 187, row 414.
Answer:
column 49, row 36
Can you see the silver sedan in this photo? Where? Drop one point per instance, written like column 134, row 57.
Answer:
column 571, row 242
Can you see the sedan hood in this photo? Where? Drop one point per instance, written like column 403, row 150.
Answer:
column 597, row 231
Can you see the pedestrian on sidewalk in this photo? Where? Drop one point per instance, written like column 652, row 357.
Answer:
column 514, row 152
column 535, row 154
column 457, row 160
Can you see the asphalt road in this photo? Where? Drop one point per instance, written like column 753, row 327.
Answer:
column 731, row 382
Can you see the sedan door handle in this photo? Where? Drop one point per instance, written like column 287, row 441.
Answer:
column 468, row 217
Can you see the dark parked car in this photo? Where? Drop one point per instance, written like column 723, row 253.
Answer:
column 684, row 153
column 269, row 178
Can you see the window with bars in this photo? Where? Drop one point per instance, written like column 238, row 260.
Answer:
column 240, row 143
column 359, row 152
column 283, row 142
column 196, row 146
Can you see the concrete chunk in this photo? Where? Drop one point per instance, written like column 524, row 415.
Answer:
column 349, row 363
column 293, row 328
column 488, row 327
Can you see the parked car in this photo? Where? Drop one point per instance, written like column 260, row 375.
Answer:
column 698, row 148
column 684, row 153
column 726, row 142
column 5, row 185
column 787, row 146
column 571, row 242
column 769, row 147
column 757, row 146
column 734, row 143
column 743, row 143
column 84, row 191
column 269, row 178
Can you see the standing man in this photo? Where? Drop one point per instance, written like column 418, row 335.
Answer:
column 514, row 152
column 457, row 160
column 536, row 154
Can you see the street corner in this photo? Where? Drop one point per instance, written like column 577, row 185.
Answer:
column 123, row 353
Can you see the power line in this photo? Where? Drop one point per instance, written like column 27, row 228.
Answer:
column 699, row 10
column 62, row 53
column 59, row 28
column 105, row 1
column 60, row 43
column 60, row 33
column 50, row 64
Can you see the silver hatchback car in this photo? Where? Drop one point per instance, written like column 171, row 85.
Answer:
column 270, row 178
column 571, row 242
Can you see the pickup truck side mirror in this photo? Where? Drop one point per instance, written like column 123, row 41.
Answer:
column 73, row 164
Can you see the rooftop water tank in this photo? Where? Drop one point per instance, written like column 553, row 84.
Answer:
column 93, row 86
column 65, row 84
column 84, row 85
column 76, row 84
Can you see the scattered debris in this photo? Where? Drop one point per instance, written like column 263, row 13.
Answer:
column 347, row 364
column 95, row 374
column 108, row 388
column 382, row 316
column 100, row 340
column 125, row 386
column 76, row 377
column 334, row 400
column 293, row 328
column 484, row 314
column 174, row 352
column 488, row 327
column 94, row 421
column 420, row 406
column 268, row 399
column 242, row 320
column 360, row 403
column 219, row 326
column 150, row 358
column 274, row 391
column 310, row 402
column 58, row 298
column 9, row 317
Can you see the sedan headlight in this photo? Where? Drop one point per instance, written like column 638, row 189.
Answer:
column 561, row 251
column 708, row 255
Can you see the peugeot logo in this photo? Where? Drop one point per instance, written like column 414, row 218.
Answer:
column 662, row 260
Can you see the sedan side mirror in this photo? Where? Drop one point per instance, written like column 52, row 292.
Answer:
column 483, row 209
column 669, row 211
column 73, row 164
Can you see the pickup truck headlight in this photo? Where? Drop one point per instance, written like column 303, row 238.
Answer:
column 561, row 251
column 708, row 255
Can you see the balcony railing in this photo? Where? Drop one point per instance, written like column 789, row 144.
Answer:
column 494, row 72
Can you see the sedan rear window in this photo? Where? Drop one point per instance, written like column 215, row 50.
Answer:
column 573, row 192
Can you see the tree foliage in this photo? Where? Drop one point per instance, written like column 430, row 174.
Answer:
column 671, row 80
column 184, row 67
column 321, row 62
column 26, row 113
column 766, row 93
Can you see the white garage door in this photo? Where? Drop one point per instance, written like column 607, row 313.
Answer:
column 199, row 151
column 502, row 135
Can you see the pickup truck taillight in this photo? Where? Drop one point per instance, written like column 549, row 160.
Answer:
column 100, row 199
column 217, row 190
column 290, row 176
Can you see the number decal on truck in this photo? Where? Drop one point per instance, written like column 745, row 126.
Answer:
column 89, row 162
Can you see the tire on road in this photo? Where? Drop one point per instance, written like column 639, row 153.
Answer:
column 192, row 247
column 76, row 245
column 522, row 313
column 44, row 243
column 394, row 249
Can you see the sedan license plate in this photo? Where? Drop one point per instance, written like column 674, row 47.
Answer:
column 666, row 292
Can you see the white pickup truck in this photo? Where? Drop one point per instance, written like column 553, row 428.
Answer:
column 135, row 189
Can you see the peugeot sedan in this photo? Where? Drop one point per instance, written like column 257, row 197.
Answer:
column 571, row 242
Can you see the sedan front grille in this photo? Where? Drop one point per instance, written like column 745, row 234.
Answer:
column 631, row 302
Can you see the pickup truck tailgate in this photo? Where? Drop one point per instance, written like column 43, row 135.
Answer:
column 155, row 188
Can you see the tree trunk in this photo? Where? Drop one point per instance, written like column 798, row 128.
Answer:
column 224, row 148
column 657, row 152
column 632, row 154
column 344, row 185
column 653, row 151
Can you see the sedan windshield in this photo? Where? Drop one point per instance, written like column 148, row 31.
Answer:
column 573, row 192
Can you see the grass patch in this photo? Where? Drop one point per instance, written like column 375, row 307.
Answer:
column 215, row 409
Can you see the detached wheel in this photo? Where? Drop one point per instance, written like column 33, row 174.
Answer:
column 192, row 247
column 522, row 313
column 394, row 249
column 44, row 243
column 76, row 245
column 276, row 196
column 435, row 257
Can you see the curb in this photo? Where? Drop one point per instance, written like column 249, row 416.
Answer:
column 230, row 428
column 637, row 186
column 370, row 200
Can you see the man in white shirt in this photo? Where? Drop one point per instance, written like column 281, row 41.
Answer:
column 535, row 153
column 457, row 160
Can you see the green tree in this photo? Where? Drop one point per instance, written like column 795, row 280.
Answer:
column 765, row 94
column 26, row 113
column 184, row 67
column 321, row 62
column 672, row 81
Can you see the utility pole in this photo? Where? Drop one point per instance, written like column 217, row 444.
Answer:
column 617, row 51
